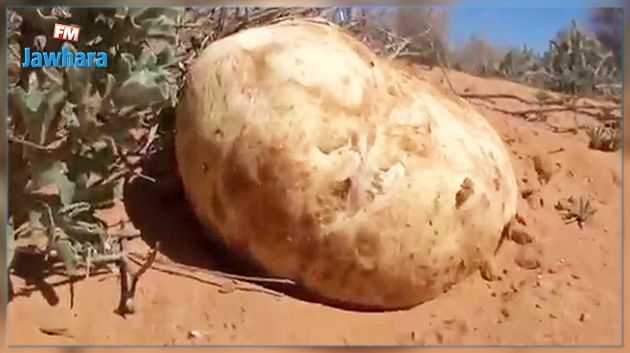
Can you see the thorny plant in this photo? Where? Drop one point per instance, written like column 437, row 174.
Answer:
column 576, row 211
column 574, row 63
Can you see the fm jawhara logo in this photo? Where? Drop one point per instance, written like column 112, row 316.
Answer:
column 67, row 57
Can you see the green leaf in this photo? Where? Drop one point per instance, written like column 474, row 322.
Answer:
column 147, row 60
column 87, row 112
column 67, row 190
column 36, row 107
column 78, row 82
column 92, row 159
column 41, row 22
column 157, row 22
column 67, row 253
column 166, row 56
column 46, row 172
column 143, row 88
column 108, row 86
column 67, row 113
column 125, row 66
column 98, row 195
column 82, row 232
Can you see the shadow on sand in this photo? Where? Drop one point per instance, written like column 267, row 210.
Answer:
column 162, row 213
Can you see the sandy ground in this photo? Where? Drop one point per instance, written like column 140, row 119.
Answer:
column 557, row 283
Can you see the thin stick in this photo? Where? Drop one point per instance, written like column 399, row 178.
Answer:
column 543, row 110
column 207, row 281
column 445, row 73
column 29, row 144
column 129, row 280
column 163, row 269
column 226, row 275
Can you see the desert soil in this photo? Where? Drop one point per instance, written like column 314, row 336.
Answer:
column 555, row 283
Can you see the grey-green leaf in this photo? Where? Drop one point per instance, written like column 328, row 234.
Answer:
column 68, row 255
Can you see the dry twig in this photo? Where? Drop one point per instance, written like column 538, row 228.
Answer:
column 190, row 273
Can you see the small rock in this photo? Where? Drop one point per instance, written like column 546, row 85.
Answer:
column 544, row 167
column 194, row 334
column 520, row 235
column 227, row 287
column 526, row 193
column 584, row 317
column 505, row 312
column 55, row 331
column 488, row 272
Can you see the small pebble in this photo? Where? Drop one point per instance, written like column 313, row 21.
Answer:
column 544, row 167
column 505, row 312
column 520, row 235
column 194, row 334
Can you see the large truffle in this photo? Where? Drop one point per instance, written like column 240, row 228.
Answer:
column 328, row 165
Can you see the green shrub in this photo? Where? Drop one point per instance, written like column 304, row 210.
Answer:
column 72, row 129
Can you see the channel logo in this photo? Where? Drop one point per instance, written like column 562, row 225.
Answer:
column 64, row 58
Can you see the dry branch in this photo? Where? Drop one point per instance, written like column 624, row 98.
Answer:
column 527, row 112
column 190, row 273
column 562, row 101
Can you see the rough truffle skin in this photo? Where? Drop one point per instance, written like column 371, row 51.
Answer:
column 302, row 149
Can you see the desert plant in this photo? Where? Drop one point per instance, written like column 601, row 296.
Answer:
column 519, row 63
column 415, row 34
column 578, row 63
column 478, row 56
column 575, row 63
column 604, row 138
column 574, row 210
column 74, row 131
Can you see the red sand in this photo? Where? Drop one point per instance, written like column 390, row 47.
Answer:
column 562, row 288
